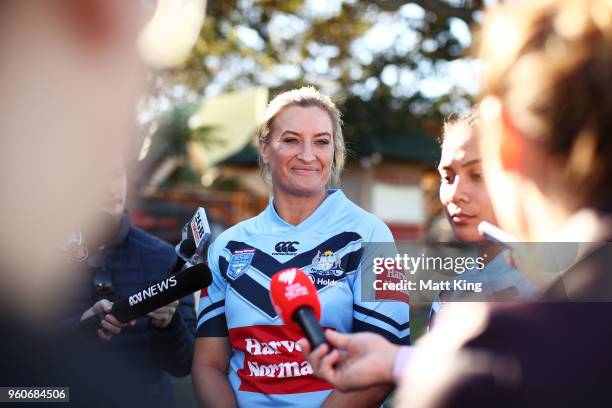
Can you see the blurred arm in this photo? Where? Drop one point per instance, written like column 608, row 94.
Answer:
column 209, row 372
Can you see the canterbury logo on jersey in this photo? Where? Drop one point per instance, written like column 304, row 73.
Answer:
column 285, row 248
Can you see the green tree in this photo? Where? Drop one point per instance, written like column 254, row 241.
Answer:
column 167, row 161
column 375, row 57
column 281, row 43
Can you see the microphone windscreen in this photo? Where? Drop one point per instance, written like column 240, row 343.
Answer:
column 198, row 230
column 291, row 289
column 187, row 248
column 162, row 293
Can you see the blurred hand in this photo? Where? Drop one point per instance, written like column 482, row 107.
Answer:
column 358, row 360
column 162, row 317
column 110, row 325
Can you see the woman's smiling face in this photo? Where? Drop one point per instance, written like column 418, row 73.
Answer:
column 300, row 152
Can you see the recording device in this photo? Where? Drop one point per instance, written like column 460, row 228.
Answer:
column 185, row 250
column 295, row 299
column 183, row 279
column 497, row 235
column 163, row 292
column 193, row 239
column 197, row 230
column 153, row 297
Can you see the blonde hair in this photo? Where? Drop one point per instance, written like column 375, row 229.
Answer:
column 305, row 97
column 553, row 75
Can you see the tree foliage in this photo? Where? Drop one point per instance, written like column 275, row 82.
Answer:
column 372, row 56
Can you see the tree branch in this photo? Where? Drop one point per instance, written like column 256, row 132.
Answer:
column 442, row 8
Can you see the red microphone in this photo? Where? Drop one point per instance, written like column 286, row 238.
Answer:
column 295, row 299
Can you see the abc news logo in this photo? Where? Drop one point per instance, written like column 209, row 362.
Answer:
column 285, row 248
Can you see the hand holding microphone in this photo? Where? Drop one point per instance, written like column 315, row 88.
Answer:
column 98, row 318
column 160, row 300
column 150, row 299
column 347, row 361
column 162, row 317
column 358, row 360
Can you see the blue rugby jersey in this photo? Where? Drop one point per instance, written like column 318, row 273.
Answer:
column 266, row 366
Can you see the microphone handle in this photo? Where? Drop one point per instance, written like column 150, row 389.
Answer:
column 178, row 266
column 305, row 318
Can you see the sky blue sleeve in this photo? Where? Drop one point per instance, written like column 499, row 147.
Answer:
column 211, row 308
column 389, row 318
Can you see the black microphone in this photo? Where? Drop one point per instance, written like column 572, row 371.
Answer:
column 194, row 236
column 163, row 292
column 159, row 294
column 198, row 230
column 184, row 251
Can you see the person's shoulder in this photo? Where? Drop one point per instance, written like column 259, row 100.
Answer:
column 351, row 209
column 365, row 219
column 240, row 232
column 352, row 215
column 147, row 242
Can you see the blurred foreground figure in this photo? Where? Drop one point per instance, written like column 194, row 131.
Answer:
column 136, row 359
column 546, row 146
column 70, row 79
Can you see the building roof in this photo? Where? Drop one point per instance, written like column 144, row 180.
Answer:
column 414, row 146
column 232, row 118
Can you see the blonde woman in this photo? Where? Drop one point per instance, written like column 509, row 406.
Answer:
column 244, row 355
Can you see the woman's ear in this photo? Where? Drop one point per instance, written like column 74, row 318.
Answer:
column 264, row 153
column 512, row 150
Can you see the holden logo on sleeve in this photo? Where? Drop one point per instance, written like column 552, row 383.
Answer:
column 285, row 248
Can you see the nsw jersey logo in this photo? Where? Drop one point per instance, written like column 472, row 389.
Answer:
column 239, row 263
column 326, row 264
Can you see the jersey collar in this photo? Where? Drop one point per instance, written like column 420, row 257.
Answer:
column 334, row 197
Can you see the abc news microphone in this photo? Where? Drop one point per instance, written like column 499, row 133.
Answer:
column 185, row 250
column 159, row 294
column 295, row 299
column 184, row 279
